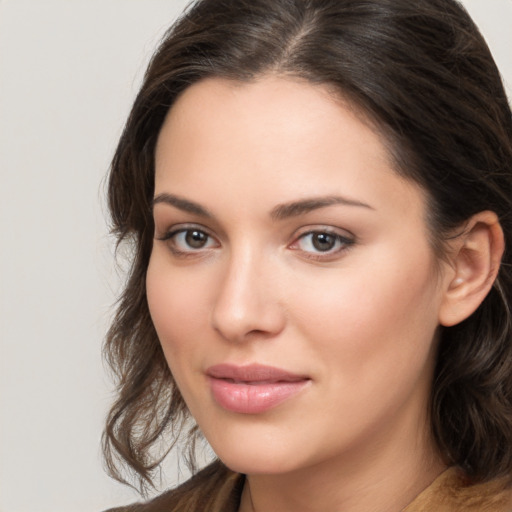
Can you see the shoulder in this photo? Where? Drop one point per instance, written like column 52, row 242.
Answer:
column 215, row 488
column 450, row 492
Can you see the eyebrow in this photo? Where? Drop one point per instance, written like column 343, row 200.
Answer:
column 182, row 204
column 280, row 212
column 303, row 206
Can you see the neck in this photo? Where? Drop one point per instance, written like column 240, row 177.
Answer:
column 384, row 476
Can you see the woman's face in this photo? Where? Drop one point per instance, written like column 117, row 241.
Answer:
column 291, row 282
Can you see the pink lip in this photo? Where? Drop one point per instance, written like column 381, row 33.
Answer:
column 254, row 388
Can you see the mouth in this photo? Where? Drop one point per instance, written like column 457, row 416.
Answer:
column 253, row 389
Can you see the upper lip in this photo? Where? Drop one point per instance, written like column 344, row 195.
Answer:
column 253, row 373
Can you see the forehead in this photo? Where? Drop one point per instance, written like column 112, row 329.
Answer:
column 274, row 136
column 269, row 103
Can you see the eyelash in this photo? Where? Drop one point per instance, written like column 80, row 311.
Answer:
column 172, row 235
column 342, row 243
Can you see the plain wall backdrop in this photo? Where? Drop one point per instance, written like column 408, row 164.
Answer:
column 69, row 70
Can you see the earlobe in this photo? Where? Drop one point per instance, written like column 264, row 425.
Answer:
column 475, row 260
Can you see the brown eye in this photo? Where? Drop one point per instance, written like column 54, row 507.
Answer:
column 322, row 244
column 189, row 241
column 196, row 239
column 323, row 241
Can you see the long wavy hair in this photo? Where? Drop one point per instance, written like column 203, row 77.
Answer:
column 422, row 72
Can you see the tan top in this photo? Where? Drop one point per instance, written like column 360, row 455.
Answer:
column 448, row 493
column 221, row 490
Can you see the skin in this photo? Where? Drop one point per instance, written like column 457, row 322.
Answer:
column 359, row 320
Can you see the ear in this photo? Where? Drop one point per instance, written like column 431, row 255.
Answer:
column 475, row 258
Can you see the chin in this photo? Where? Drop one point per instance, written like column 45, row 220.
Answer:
column 253, row 455
column 261, row 464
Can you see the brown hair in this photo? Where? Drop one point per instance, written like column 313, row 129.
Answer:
column 422, row 72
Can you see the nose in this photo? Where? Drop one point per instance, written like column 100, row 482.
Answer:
column 247, row 304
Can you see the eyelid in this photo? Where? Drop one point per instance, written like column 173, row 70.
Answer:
column 183, row 226
column 323, row 228
column 346, row 238
column 170, row 234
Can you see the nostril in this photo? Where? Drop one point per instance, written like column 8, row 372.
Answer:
column 257, row 322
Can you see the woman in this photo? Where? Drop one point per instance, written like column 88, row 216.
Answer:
column 318, row 193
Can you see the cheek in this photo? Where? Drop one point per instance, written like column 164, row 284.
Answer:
column 372, row 320
column 178, row 307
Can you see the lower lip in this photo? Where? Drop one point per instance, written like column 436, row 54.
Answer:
column 253, row 398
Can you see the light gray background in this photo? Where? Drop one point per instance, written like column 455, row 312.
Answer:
column 69, row 70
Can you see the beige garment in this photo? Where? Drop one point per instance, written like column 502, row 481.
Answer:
column 449, row 493
column 220, row 491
